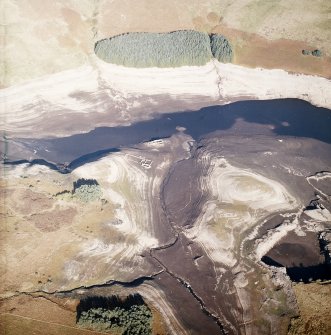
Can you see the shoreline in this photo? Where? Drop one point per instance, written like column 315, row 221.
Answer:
column 111, row 95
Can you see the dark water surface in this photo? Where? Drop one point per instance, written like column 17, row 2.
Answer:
column 284, row 117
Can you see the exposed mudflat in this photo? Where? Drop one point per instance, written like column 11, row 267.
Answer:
column 184, row 219
column 297, row 251
column 107, row 95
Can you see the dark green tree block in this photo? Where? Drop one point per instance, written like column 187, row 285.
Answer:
column 174, row 49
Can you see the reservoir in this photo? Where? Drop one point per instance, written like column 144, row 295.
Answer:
column 274, row 118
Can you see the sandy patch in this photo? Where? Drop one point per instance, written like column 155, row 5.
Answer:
column 313, row 301
column 53, row 220
column 27, row 201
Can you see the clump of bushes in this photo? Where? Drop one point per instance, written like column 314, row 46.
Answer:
column 316, row 52
column 178, row 48
column 129, row 317
column 87, row 190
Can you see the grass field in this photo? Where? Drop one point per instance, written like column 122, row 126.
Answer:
column 11, row 324
column 73, row 28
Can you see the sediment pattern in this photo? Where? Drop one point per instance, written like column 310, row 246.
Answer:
column 180, row 239
column 79, row 100
column 189, row 205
